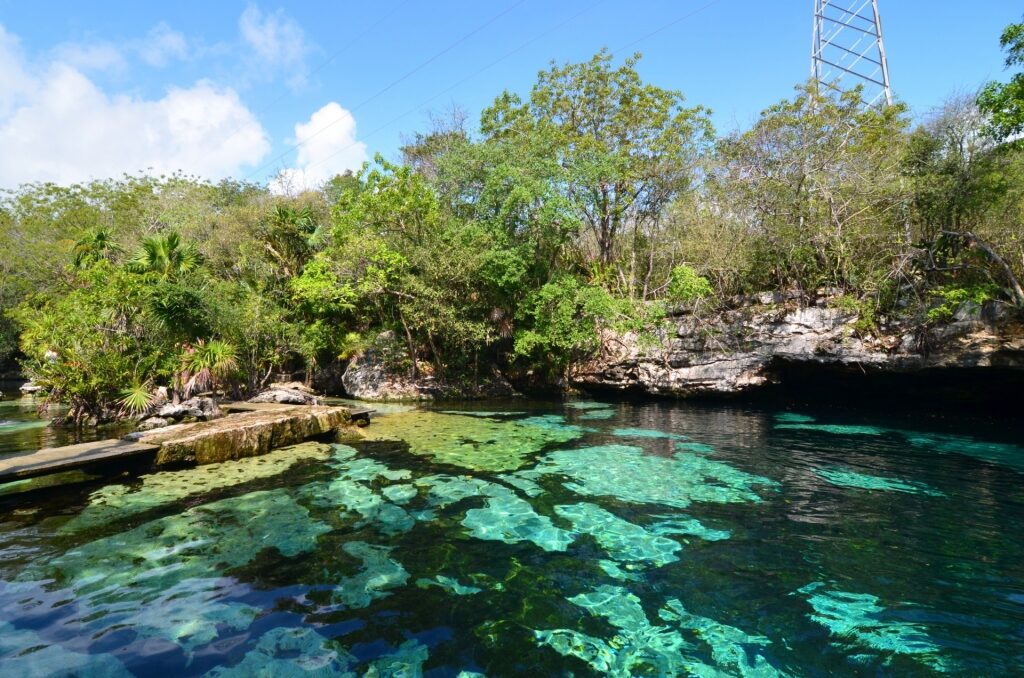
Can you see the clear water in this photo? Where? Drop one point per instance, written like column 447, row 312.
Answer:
column 23, row 429
column 579, row 539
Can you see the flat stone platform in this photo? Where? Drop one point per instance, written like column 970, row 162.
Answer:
column 69, row 457
column 253, row 429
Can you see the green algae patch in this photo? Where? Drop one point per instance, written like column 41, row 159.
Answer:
column 486, row 414
column 444, row 490
column 732, row 649
column 587, row 405
column 597, row 415
column 624, row 541
column 115, row 502
column 698, row 448
column 510, row 519
column 837, row 429
column 848, row 478
column 858, row 619
column 471, row 442
column 161, row 578
column 400, row 494
column 504, row 517
column 793, row 418
column 352, row 491
column 288, row 653
column 449, row 584
column 628, row 473
column 639, row 647
column 645, row 433
column 687, row 526
column 1011, row 456
column 43, row 482
column 405, row 662
column 378, row 576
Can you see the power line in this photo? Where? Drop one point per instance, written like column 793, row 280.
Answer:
column 420, row 106
column 669, row 25
column 391, row 85
column 502, row 58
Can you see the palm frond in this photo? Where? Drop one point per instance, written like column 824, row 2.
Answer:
column 137, row 399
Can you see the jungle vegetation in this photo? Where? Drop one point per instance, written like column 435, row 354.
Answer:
column 595, row 200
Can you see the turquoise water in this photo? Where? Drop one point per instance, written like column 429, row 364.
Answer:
column 537, row 539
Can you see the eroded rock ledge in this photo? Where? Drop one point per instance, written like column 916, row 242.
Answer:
column 242, row 435
column 736, row 351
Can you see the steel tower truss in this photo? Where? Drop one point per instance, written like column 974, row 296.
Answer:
column 847, row 49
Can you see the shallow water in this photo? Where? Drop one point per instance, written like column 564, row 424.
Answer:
column 539, row 539
column 23, row 429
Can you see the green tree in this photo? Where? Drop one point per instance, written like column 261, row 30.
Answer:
column 1004, row 102
column 626, row 148
column 817, row 180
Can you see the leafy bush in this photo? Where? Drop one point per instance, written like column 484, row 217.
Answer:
column 951, row 297
column 687, row 286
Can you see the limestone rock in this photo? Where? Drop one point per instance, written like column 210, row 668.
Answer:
column 242, row 435
column 152, row 423
column 286, row 394
column 736, row 350
column 203, row 409
column 30, row 388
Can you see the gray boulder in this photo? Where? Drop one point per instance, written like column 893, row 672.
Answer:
column 152, row 423
column 197, row 408
column 286, row 396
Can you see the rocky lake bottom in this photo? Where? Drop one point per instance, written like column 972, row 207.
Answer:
column 541, row 539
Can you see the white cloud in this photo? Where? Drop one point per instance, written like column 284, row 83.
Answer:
column 99, row 56
column 14, row 82
column 277, row 41
column 161, row 45
column 327, row 146
column 58, row 125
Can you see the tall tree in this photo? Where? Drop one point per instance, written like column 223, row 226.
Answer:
column 626, row 148
column 1004, row 102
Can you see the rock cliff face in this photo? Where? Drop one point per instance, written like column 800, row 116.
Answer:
column 742, row 349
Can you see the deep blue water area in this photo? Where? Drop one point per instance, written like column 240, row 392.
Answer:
column 535, row 539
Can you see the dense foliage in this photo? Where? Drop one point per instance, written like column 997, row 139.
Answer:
column 596, row 201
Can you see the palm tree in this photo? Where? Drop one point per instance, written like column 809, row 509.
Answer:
column 95, row 244
column 165, row 256
column 205, row 365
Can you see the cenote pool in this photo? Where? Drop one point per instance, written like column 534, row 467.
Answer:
column 535, row 539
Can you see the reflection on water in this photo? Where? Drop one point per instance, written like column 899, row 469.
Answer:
column 537, row 539
column 23, row 429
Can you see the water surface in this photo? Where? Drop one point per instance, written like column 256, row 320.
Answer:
column 538, row 539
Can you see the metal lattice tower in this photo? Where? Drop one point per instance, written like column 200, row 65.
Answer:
column 847, row 48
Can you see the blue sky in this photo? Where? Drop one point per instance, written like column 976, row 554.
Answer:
column 251, row 90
